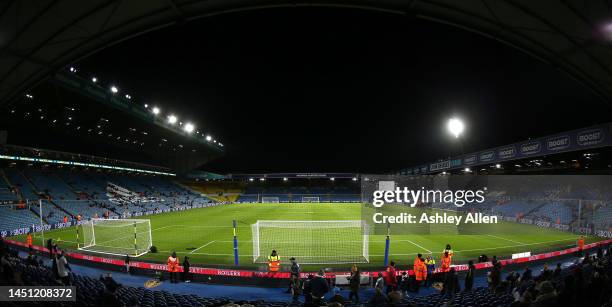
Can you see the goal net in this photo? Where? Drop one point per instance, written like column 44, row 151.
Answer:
column 116, row 236
column 310, row 199
column 269, row 199
column 312, row 242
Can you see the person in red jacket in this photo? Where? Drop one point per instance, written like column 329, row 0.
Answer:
column 391, row 277
column 173, row 267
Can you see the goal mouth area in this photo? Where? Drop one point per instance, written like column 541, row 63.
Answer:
column 312, row 242
column 118, row 237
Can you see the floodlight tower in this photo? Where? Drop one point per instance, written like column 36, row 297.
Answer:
column 456, row 127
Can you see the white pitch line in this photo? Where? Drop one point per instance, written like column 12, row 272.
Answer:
column 202, row 246
column 509, row 240
column 508, row 246
column 419, row 246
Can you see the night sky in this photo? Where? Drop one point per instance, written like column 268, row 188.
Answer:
column 342, row 90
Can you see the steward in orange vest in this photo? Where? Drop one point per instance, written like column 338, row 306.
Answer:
column 445, row 262
column 29, row 240
column 173, row 267
column 274, row 262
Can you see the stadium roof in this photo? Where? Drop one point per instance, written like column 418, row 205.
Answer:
column 39, row 37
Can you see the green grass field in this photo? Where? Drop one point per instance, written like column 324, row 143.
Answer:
column 206, row 235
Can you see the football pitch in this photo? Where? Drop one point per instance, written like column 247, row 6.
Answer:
column 206, row 236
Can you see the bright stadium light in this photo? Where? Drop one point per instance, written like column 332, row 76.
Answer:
column 354, row 178
column 332, row 178
column 156, row 110
column 455, row 127
column 172, row 119
column 285, row 178
column 94, row 79
column 208, row 138
column 189, row 127
column 498, row 166
column 72, row 69
column 467, row 170
column 114, row 89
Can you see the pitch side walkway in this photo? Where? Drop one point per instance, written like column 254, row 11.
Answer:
column 257, row 293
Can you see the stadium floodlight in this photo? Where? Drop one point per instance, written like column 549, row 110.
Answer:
column 189, row 127
column 172, row 119
column 262, row 179
column 146, row 105
column 94, row 79
column 497, row 165
column 455, row 126
column 354, row 178
column 128, row 96
column 467, row 170
column 156, row 110
column 285, row 178
column 72, row 69
column 251, row 179
column 332, row 178
column 114, row 89
column 208, row 138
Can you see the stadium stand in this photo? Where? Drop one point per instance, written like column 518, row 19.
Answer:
column 11, row 218
column 582, row 283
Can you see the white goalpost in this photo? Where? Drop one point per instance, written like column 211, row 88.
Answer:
column 116, row 237
column 312, row 242
column 270, row 199
column 310, row 199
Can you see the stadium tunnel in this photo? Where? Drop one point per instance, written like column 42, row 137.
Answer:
column 39, row 38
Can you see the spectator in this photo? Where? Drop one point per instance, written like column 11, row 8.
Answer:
column 380, row 282
column 546, row 273
column 108, row 281
column 319, row 288
column 391, row 278
column 337, row 297
column 557, row 272
column 405, row 283
column 186, row 268
column 469, row 277
column 451, row 283
column 127, row 263
column 307, row 289
column 294, row 273
column 495, row 277
column 296, row 289
column 526, row 275
column 109, row 297
column 354, row 283
column 63, row 268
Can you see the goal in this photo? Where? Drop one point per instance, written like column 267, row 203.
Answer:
column 312, row 242
column 116, row 236
column 310, row 199
column 270, row 199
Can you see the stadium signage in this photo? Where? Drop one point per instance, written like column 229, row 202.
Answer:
column 593, row 137
column 506, row 153
column 531, row 148
column 590, row 137
column 487, row 156
column 440, row 165
column 469, row 160
column 558, row 143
